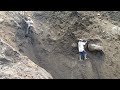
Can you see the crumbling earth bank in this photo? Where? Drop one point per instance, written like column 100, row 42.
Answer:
column 13, row 65
column 50, row 45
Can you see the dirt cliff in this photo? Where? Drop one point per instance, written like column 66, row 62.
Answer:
column 14, row 65
column 50, row 44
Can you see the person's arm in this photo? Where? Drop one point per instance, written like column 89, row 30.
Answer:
column 31, row 21
column 84, row 43
column 25, row 20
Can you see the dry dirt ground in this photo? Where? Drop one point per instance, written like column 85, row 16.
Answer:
column 50, row 43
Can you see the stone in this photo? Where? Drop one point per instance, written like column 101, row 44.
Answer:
column 94, row 47
column 1, row 20
column 74, row 45
column 116, row 30
column 98, row 14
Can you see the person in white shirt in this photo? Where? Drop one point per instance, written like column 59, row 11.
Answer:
column 81, row 49
column 29, row 23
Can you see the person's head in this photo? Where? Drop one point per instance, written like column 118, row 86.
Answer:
column 28, row 18
column 84, row 40
column 80, row 39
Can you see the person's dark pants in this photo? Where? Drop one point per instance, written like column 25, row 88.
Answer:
column 82, row 55
column 29, row 31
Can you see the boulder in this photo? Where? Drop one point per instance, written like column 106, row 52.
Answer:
column 74, row 45
column 1, row 20
column 95, row 47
